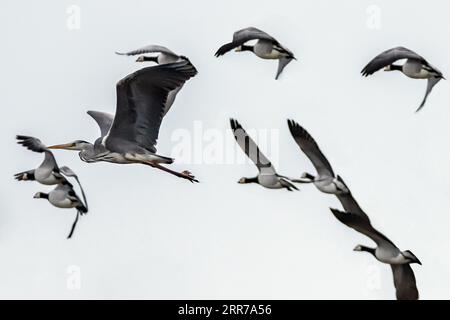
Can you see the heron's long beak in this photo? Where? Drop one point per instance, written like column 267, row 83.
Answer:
column 65, row 146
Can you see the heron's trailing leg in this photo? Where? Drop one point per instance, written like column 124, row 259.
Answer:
column 185, row 174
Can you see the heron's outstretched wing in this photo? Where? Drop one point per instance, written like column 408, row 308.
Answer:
column 104, row 121
column 405, row 282
column 310, row 148
column 430, row 84
column 242, row 36
column 149, row 49
column 251, row 148
column 388, row 57
column 141, row 99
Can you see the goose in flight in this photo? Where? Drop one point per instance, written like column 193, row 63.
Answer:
column 266, row 47
column 386, row 251
column 48, row 172
column 141, row 105
column 415, row 67
column 267, row 176
column 325, row 180
column 163, row 54
column 89, row 152
column 64, row 196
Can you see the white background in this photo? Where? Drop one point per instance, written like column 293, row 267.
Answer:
column 151, row 235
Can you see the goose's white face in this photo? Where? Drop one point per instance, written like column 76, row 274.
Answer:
column 238, row 49
column 387, row 68
column 358, row 248
column 242, row 180
column 37, row 195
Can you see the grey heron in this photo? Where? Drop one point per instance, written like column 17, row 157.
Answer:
column 325, row 180
column 141, row 106
column 415, row 67
column 267, row 175
column 266, row 47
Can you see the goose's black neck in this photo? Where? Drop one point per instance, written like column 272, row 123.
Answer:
column 246, row 48
column 152, row 59
column 396, row 67
column 251, row 180
column 369, row 250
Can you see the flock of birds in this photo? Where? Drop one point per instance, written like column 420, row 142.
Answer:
column 145, row 96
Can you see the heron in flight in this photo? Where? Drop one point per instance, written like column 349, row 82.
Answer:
column 141, row 106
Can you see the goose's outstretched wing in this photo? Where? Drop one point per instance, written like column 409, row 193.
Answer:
column 363, row 225
column 388, row 57
column 430, row 84
column 149, row 49
column 309, row 146
column 242, row 36
column 405, row 282
column 251, row 148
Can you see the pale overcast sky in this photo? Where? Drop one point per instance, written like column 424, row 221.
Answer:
column 149, row 235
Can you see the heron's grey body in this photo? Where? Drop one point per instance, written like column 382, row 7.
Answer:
column 415, row 67
column 267, row 175
column 386, row 251
column 325, row 180
column 266, row 47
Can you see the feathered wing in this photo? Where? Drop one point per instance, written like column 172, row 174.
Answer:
column 430, row 84
column 104, row 121
column 282, row 63
column 149, row 49
column 141, row 100
column 242, row 36
column 309, row 146
column 36, row 145
column 405, row 282
column 388, row 57
column 362, row 224
column 251, row 149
